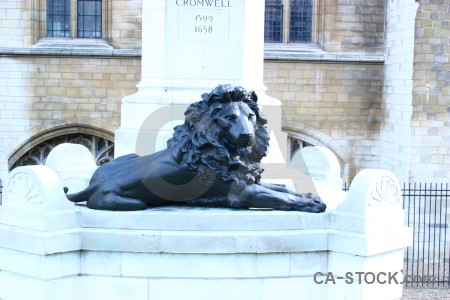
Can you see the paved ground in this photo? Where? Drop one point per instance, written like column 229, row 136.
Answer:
column 426, row 293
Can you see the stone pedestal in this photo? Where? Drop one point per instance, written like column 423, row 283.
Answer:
column 52, row 249
column 188, row 48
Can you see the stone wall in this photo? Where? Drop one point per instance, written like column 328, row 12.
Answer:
column 126, row 29
column 372, row 110
column 323, row 98
column 39, row 94
column 416, row 118
column 430, row 122
column 336, row 104
column 397, row 98
column 46, row 88
column 22, row 22
column 353, row 26
column 16, row 23
column 332, row 96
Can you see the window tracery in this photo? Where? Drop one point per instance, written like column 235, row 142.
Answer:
column 102, row 149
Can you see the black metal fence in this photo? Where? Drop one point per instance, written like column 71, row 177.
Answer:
column 427, row 213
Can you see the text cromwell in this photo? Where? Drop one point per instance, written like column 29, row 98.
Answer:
column 204, row 3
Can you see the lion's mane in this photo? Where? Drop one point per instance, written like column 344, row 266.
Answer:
column 196, row 143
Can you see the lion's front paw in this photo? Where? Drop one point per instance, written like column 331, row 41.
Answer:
column 309, row 203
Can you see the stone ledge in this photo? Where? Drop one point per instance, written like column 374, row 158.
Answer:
column 40, row 242
column 185, row 218
column 165, row 234
column 195, row 242
column 282, row 55
column 46, row 267
column 39, row 221
column 64, row 42
column 277, row 55
column 151, row 241
column 51, row 51
column 370, row 244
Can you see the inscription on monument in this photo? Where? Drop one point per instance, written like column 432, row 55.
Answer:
column 204, row 3
column 203, row 20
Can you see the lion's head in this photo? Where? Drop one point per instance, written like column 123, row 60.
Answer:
column 226, row 133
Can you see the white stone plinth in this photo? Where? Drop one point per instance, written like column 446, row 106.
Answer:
column 64, row 251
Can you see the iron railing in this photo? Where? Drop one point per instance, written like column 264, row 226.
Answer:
column 426, row 211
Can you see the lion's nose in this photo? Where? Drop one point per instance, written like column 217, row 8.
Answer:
column 244, row 138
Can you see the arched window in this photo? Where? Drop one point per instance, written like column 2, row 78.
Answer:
column 102, row 149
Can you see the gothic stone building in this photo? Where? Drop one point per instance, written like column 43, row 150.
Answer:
column 369, row 79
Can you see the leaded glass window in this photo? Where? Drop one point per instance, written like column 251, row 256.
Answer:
column 58, row 18
column 288, row 21
column 300, row 25
column 273, row 26
column 89, row 19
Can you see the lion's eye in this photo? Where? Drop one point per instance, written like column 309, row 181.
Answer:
column 231, row 117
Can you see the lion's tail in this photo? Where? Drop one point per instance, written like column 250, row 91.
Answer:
column 82, row 195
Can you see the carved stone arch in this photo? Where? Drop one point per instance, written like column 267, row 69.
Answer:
column 102, row 128
column 35, row 150
column 311, row 136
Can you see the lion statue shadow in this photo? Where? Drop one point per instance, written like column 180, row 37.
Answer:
column 213, row 159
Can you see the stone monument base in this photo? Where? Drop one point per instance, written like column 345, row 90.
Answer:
column 192, row 253
column 52, row 249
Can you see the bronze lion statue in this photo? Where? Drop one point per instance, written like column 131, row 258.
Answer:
column 212, row 159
